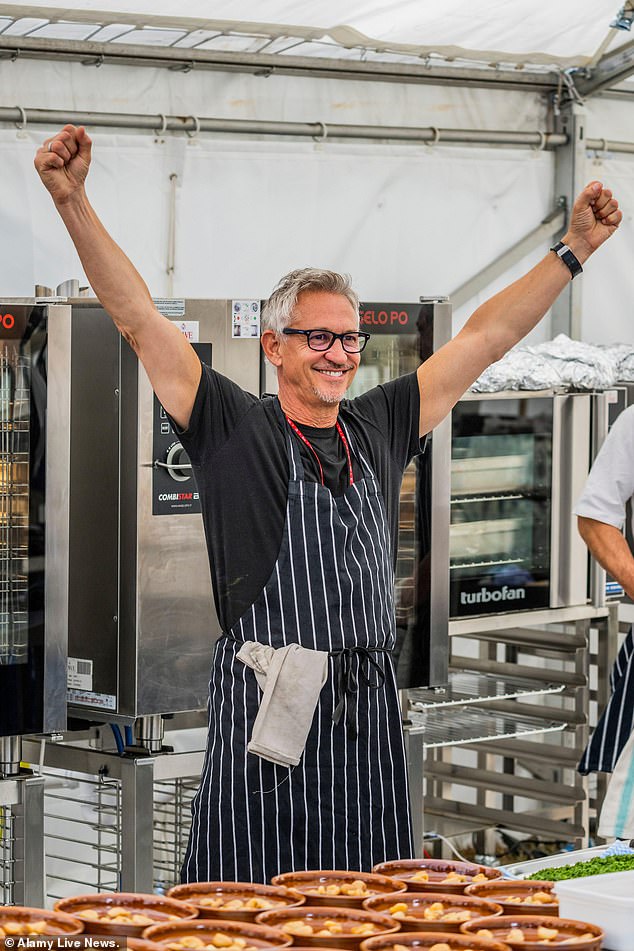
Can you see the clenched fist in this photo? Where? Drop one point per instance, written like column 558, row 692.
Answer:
column 63, row 162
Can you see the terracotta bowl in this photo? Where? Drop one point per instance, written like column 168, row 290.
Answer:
column 56, row 922
column 504, row 891
column 226, row 892
column 317, row 915
column 455, row 942
column 418, row 904
column 309, row 884
column 155, row 907
column 302, row 947
column 140, row 944
column 256, row 936
column 529, row 924
column 438, row 870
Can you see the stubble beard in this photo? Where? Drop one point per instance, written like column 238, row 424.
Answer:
column 330, row 398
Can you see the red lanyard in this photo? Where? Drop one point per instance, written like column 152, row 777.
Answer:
column 306, row 442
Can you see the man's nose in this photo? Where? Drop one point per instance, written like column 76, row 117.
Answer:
column 336, row 353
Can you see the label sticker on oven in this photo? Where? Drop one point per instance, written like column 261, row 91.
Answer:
column 189, row 329
column 245, row 319
column 79, row 673
column 105, row 701
column 170, row 306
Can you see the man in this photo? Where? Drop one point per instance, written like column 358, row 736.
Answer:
column 316, row 479
column 601, row 517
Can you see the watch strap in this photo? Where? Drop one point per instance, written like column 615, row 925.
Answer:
column 567, row 256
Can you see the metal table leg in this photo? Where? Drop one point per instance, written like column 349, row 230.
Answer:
column 29, row 842
column 415, row 752
column 137, row 815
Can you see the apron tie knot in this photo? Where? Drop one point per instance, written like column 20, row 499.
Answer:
column 368, row 669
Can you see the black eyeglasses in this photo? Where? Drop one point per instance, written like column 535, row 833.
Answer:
column 352, row 342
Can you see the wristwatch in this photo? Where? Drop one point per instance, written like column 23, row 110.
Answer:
column 563, row 251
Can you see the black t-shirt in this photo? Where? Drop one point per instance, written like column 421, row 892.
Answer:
column 237, row 446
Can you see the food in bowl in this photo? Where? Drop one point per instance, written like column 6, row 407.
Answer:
column 431, row 940
column 541, row 933
column 437, row 874
column 255, row 903
column 18, row 921
column 323, row 923
column 518, row 896
column 11, row 928
column 219, row 940
column 451, row 878
column 538, row 932
column 240, row 901
column 205, row 933
column 436, row 946
column 121, row 915
column 357, row 888
column 436, row 911
column 328, row 927
column 124, row 913
column 345, row 888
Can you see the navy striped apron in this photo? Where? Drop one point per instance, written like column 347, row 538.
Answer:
column 346, row 805
column 615, row 725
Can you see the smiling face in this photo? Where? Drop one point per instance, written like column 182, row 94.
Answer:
column 312, row 383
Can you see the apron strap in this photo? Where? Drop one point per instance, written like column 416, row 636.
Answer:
column 347, row 684
column 296, row 467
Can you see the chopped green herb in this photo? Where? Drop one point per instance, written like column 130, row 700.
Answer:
column 598, row 866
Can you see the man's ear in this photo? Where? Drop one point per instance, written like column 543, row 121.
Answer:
column 272, row 344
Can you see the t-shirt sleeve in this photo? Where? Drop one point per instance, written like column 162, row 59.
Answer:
column 611, row 480
column 219, row 406
column 394, row 409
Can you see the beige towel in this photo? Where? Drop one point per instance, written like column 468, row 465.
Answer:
column 291, row 679
column 617, row 813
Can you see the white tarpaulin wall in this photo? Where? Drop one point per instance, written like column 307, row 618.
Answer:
column 404, row 220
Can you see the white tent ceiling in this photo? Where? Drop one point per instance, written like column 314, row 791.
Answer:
column 404, row 219
column 525, row 33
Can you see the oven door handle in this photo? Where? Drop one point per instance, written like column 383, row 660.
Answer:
column 169, row 465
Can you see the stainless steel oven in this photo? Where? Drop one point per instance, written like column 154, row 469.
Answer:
column 105, row 594
column 403, row 336
column 34, row 446
column 518, row 462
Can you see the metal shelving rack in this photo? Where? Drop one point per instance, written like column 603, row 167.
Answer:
column 514, row 677
column 21, row 838
column 113, row 823
column 14, row 505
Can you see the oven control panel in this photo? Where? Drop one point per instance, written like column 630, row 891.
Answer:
column 174, row 490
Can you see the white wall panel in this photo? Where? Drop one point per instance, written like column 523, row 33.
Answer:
column 608, row 300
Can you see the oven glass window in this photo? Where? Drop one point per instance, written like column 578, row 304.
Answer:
column 500, row 506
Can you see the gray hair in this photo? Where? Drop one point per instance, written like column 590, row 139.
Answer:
column 279, row 309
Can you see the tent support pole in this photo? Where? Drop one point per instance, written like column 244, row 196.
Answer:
column 570, row 164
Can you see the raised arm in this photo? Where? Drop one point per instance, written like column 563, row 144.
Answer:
column 171, row 364
column 501, row 322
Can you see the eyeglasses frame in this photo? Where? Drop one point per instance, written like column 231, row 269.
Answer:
column 363, row 335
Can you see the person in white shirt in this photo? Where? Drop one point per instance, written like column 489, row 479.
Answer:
column 601, row 514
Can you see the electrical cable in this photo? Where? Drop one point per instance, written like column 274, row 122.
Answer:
column 129, row 736
column 437, row 835
column 116, row 732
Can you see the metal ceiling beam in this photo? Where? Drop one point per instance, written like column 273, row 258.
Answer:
column 611, row 69
column 543, row 232
column 160, row 124
column 263, row 64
